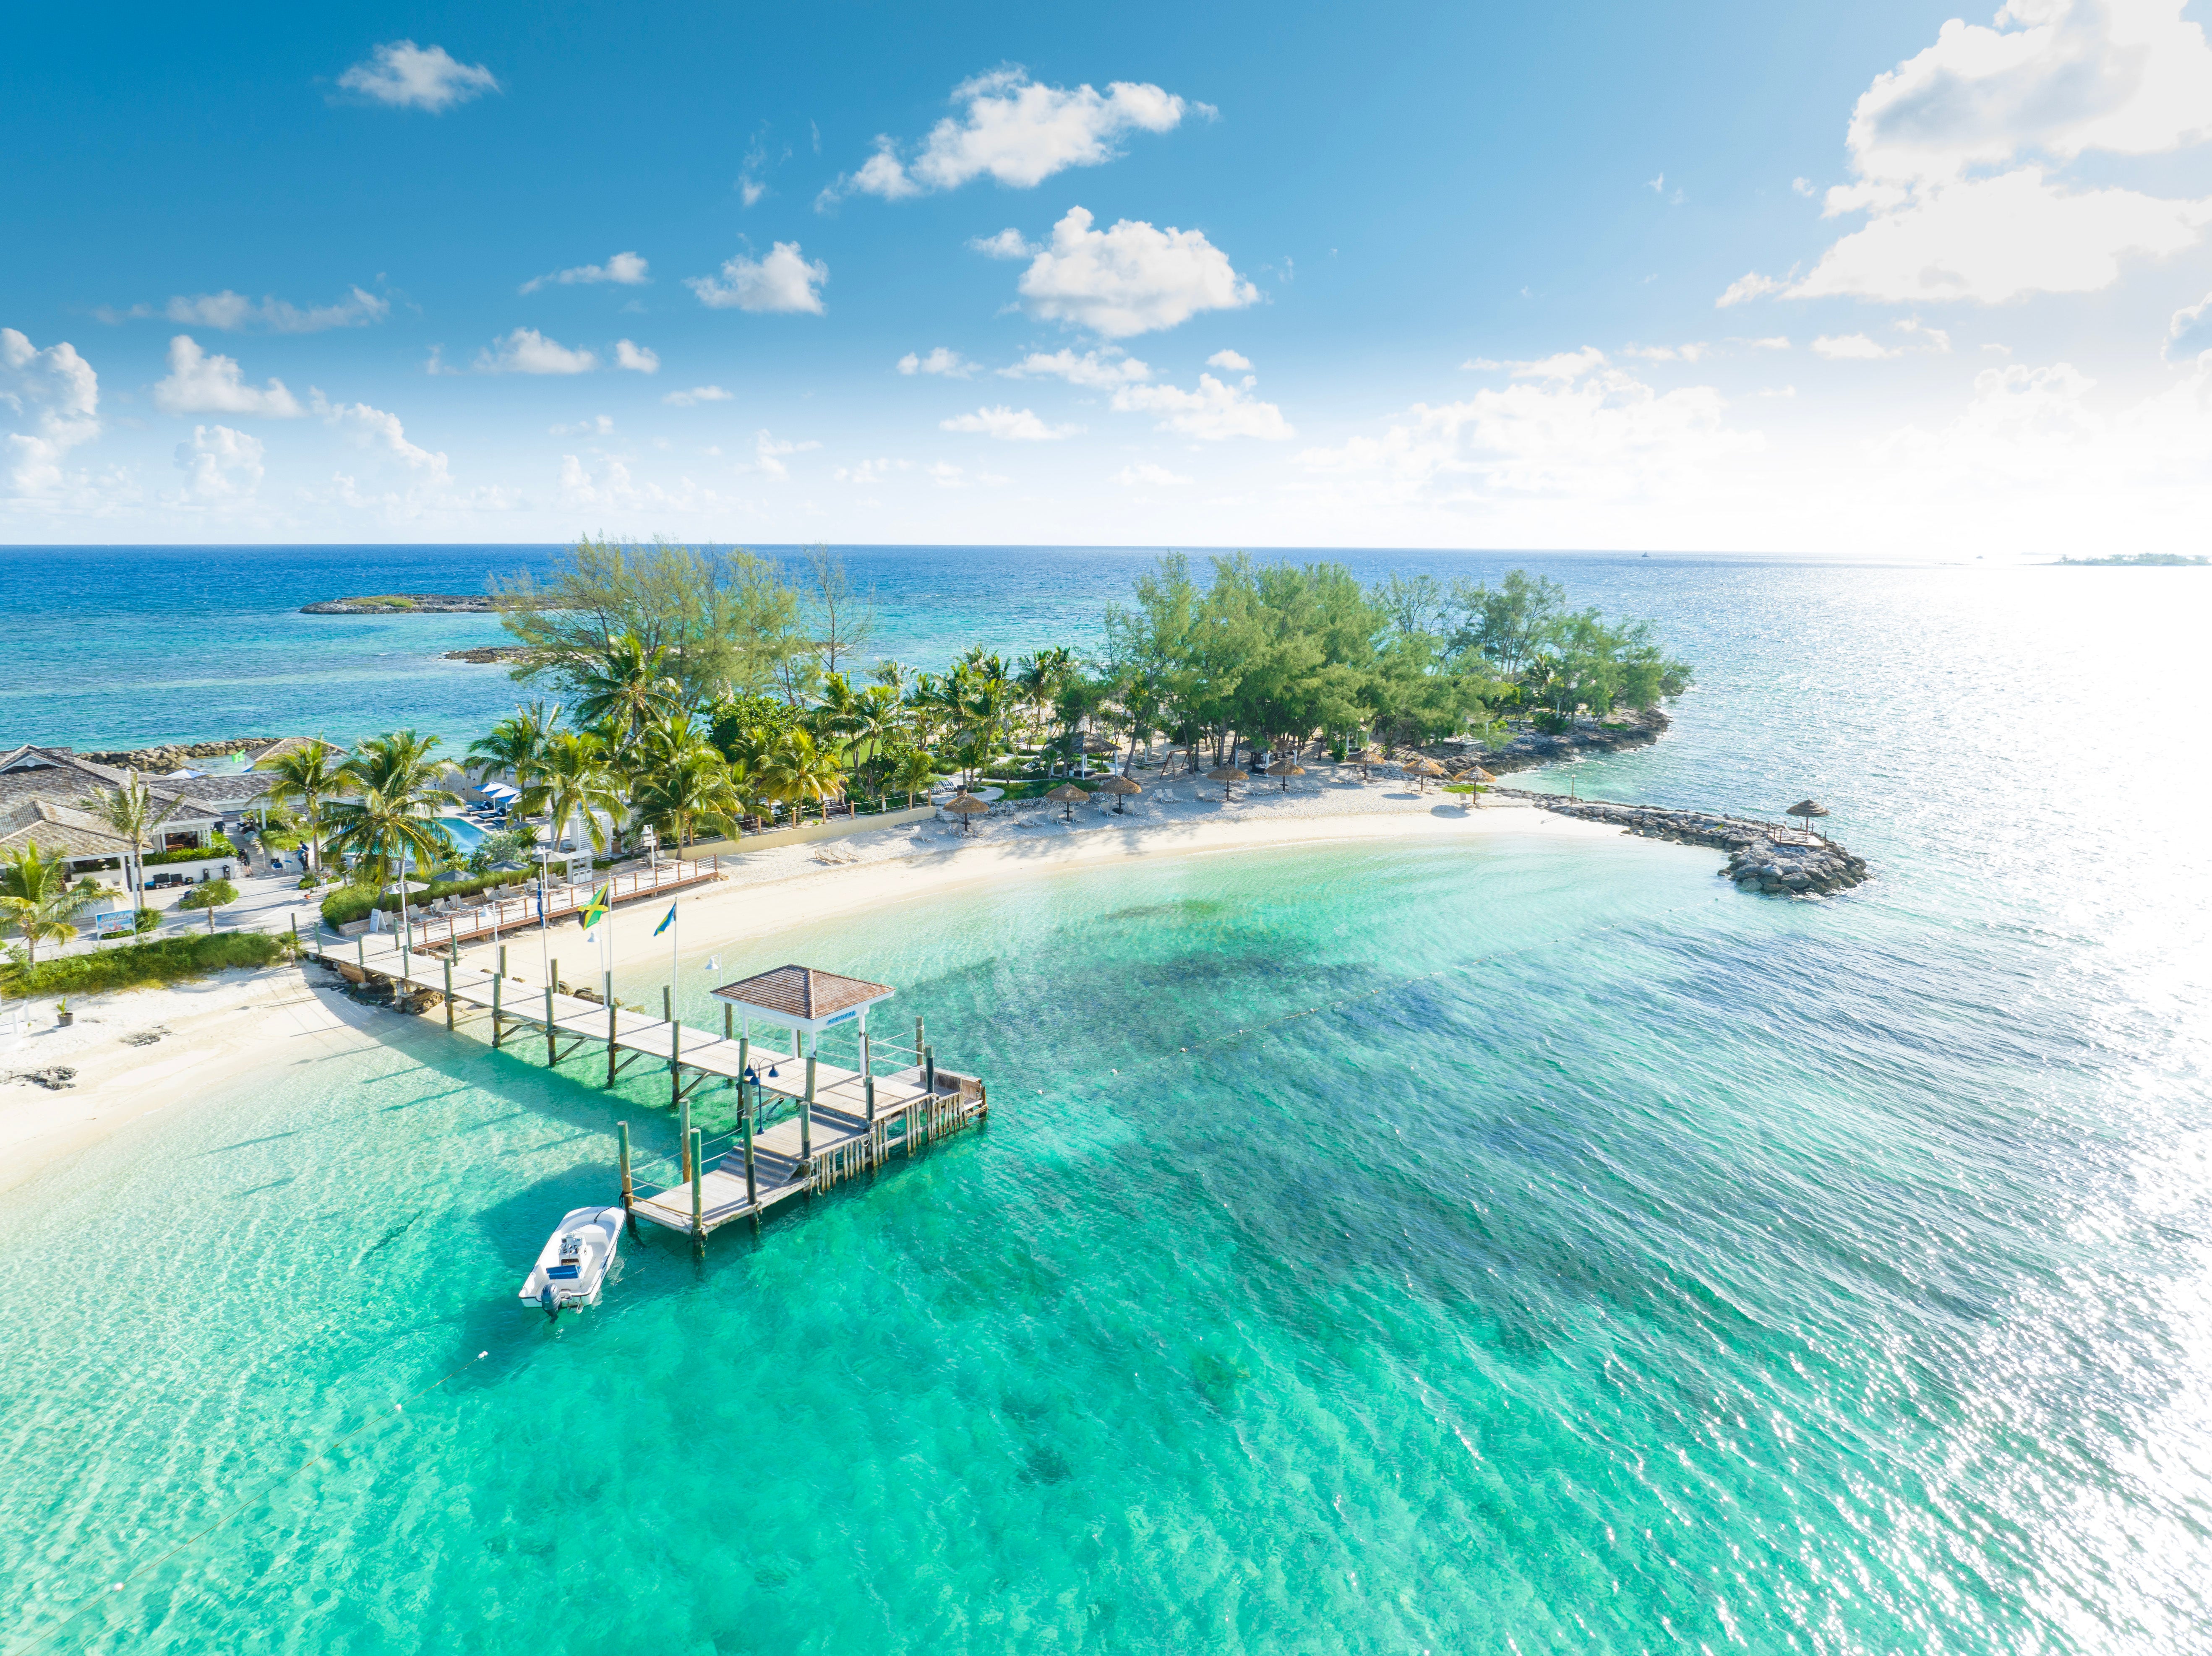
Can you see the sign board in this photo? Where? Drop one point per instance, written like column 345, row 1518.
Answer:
column 107, row 925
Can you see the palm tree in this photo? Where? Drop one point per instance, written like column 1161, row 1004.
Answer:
column 893, row 675
column 799, row 770
column 574, row 780
column 875, row 723
column 916, row 771
column 129, row 811
column 511, row 747
column 394, row 819
column 625, row 686
column 696, row 784
column 38, row 899
column 308, row 774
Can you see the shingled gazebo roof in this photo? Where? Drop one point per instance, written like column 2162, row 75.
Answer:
column 802, row 995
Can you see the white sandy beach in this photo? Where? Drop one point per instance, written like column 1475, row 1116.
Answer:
column 214, row 1033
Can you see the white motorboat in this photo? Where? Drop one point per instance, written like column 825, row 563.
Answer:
column 573, row 1264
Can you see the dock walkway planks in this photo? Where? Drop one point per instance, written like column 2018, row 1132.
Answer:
column 912, row 1106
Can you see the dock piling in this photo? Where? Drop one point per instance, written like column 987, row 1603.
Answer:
column 552, row 1051
column 449, row 994
column 630, row 1212
column 502, row 960
column 614, row 1029
column 498, row 1029
column 698, row 1222
column 807, row 1120
column 683, row 1130
column 745, row 1107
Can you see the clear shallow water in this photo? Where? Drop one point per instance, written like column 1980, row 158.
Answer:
column 1538, row 1246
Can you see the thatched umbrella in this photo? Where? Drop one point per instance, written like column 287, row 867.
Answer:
column 1808, row 808
column 1476, row 773
column 1286, row 769
column 1229, row 776
column 1070, row 797
column 965, row 805
column 1424, row 768
column 1122, row 786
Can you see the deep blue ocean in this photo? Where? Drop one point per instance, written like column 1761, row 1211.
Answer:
column 1517, row 1244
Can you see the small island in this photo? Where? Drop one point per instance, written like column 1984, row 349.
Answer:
column 485, row 654
column 407, row 603
column 2139, row 560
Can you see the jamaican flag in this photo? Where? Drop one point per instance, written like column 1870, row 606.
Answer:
column 596, row 909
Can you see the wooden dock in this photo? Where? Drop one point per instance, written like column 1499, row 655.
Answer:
column 802, row 1125
column 511, row 916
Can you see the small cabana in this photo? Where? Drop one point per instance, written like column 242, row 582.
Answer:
column 806, row 1002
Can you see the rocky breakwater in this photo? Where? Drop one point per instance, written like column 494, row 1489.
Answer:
column 176, row 755
column 1762, row 858
column 406, row 603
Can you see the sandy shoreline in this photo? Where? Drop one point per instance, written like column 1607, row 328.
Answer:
column 214, row 1033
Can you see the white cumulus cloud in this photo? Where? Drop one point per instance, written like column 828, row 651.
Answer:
column 1016, row 131
column 639, row 358
column 1751, row 285
column 768, row 451
column 1605, row 435
column 627, row 269
column 200, row 382
column 1941, row 148
column 1131, row 279
column 1229, row 361
column 228, row 312
column 1213, row 411
column 1852, row 348
column 941, row 360
column 2189, row 335
column 220, row 463
column 405, row 75
column 784, row 281
column 1104, row 369
column 697, row 394
column 1009, row 424
column 528, row 351
column 53, row 397
column 381, row 432
column 1150, row 476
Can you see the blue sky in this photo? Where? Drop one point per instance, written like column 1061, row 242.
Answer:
column 1738, row 277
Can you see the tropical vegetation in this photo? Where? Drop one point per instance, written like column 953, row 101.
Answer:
column 37, row 901
column 136, row 966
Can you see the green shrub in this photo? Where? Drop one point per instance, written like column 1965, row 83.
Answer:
column 218, row 846
column 353, row 902
column 209, row 893
column 171, row 959
column 147, row 919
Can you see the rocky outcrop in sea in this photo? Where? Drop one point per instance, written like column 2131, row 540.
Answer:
column 406, row 603
column 1763, row 857
column 176, row 755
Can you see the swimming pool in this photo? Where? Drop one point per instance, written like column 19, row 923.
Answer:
column 466, row 835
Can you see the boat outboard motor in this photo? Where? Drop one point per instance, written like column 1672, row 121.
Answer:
column 552, row 1301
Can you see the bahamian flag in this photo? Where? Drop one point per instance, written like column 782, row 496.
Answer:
column 666, row 921
column 596, row 909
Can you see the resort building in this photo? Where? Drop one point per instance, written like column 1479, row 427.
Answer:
column 44, row 795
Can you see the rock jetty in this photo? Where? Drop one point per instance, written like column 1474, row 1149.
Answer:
column 175, row 755
column 406, row 603
column 490, row 652
column 1763, row 857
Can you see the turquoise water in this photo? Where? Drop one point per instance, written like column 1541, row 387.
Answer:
column 1529, row 1246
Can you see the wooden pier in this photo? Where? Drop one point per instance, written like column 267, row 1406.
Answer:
column 511, row 916
column 802, row 1125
